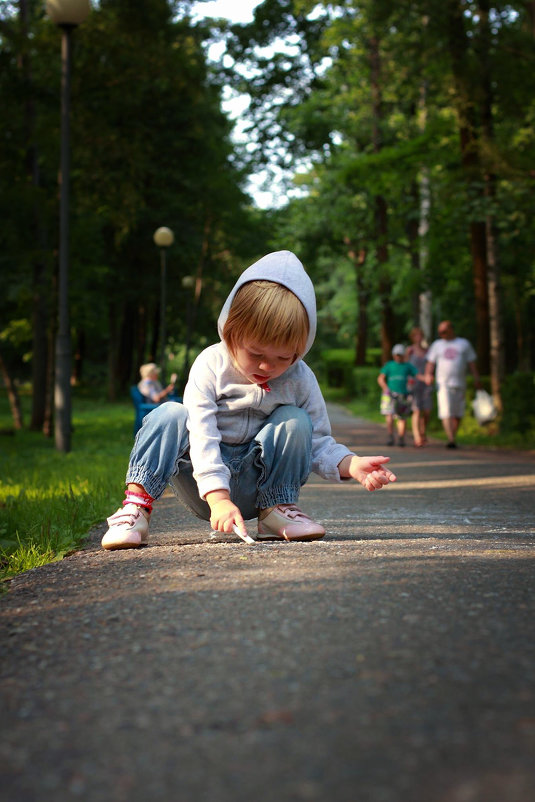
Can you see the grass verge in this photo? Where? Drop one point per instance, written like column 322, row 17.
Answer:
column 49, row 500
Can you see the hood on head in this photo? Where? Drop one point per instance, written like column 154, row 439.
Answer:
column 282, row 267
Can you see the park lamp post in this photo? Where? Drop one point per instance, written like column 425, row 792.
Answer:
column 164, row 238
column 67, row 15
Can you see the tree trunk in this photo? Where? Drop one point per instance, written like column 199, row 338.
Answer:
column 385, row 285
column 126, row 347
column 413, row 238
column 381, row 209
column 478, row 247
column 425, row 311
column 358, row 258
column 48, row 423
column 155, row 334
column 497, row 353
column 362, row 318
column 496, row 330
column 530, row 8
column 141, row 341
column 465, row 101
column 522, row 337
column 12, row 394
column 425, row 300
column 113, row 325
column 79, row 355
column 39, row 349
column 39, row 311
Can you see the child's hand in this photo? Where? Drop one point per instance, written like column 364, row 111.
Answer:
column 369, row 471
column 224, row 514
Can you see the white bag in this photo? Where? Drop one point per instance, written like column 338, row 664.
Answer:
column 484, row 408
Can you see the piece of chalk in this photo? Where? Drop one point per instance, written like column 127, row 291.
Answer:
column 246, row 538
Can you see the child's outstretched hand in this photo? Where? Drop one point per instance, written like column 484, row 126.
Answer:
column 369, row 471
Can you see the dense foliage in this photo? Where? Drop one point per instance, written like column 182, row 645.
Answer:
column 413, row 123
column 150, row 147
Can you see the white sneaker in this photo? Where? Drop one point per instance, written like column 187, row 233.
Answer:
column 288, row 522
column 129, row 528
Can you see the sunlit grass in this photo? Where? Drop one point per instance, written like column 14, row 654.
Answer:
column 49, row 500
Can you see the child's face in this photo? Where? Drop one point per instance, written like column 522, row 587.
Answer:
column 260, row 363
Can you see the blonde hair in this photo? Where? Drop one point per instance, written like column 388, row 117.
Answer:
column 146, row 370
column 266, row 312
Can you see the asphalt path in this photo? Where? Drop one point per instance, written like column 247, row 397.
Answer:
column 393, row 661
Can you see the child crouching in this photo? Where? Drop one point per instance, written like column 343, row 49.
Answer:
column 253, row 424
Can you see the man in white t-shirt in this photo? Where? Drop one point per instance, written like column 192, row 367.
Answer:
column 450, row 357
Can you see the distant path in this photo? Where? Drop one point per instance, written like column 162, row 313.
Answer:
column 394, row 661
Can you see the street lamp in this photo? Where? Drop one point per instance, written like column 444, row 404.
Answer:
column 163, row 237
column 67, row 14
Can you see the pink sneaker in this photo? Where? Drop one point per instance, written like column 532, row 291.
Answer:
column 129, row 528
column 288, row 522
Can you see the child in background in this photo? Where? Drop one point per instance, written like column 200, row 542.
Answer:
column 395, row 401
column 253, row 424
column 150, row 387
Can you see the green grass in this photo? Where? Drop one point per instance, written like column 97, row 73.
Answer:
column 49, row 500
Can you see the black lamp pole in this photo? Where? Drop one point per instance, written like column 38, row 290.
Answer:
column 67, row 14
column 163, row 304
column 163, row 237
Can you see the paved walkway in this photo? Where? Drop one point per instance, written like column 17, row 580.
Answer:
column 394, row 661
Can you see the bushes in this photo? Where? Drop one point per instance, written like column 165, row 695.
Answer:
column 518, row 391
column 365, row 387
column 338, row 371
column 337, row 368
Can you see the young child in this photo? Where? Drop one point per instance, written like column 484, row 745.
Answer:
column 253, row 424
column 395, row 403
column 150, row 387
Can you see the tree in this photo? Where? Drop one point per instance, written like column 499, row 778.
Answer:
column 343, row 89
column 150, row 146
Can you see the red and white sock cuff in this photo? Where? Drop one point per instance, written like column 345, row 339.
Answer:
column 140, row 498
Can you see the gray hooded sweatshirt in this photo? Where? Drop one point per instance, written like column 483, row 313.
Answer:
column 223, row 406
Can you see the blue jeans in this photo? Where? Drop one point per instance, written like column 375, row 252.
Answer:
column 269, row 470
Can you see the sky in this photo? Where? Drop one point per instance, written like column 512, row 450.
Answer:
column 235, row 10
column 239, row 11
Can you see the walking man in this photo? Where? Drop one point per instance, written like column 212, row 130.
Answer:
column 450, row 357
